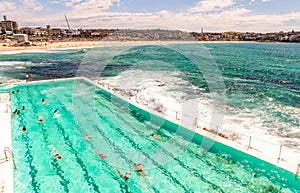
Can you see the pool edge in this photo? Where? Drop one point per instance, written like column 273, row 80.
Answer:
column 6, row 167
column 281, row 164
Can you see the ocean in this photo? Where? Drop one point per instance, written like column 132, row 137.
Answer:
column 249, row 88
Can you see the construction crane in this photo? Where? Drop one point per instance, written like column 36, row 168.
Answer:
column 67, row 22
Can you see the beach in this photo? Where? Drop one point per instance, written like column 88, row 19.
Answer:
column 76, row 44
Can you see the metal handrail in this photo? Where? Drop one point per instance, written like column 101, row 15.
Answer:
column 297, row 174
column 178, row 115
column 7, row 149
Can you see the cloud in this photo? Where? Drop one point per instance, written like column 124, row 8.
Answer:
column 228, row 17
column 253, row 1
column 7, row 6
column 91, row 5
column 212, row 5
column 33, row 4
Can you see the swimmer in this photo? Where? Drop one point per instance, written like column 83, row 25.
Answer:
column 101, row 155
column 155, row 137
column 124, row 176
column 55, row 111
column 43, row 100
column 56, row 155
column 12, row 92
column 24, row 129
column 139, row 170
column 23, row 108
column 41, row 119
column 18, row 91
column 87, row 135
column 16, row 112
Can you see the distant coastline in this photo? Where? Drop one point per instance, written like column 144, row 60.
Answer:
column 10, row 47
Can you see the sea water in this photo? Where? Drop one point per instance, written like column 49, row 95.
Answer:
column 253, row 87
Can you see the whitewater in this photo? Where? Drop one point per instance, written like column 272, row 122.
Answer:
column 239, row 90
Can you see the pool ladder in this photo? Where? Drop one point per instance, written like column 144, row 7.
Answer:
column 6, row 158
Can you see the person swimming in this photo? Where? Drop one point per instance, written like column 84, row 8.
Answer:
column 124, row 176
column 41, row 119
column 56, row 155
column 43, row 100
column 139, row 170
column 16, row 112
column 23, row 108
column 87, row 135
column 55, row 111
column 101, row 155
column 24, row 129
column 155, row 137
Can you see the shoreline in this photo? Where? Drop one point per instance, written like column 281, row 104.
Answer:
column 102, row 43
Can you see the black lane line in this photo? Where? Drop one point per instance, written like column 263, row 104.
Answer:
column 111, row 172
column 138, row 117
column 117, row 149
column 136, row 146
column 182, row 164
column 29, row 158
column 56, row 166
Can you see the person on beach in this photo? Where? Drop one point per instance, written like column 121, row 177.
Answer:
column 155, row 137
column 27, row 77
column 101, row 155
column 124, row 176
column 24, row 129
column 30, row 77
column 139, row 170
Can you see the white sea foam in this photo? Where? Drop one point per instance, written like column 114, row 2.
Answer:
column 29, row 51
column 164, row 92
column 17, row 64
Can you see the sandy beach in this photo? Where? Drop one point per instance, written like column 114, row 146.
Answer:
column 4, row 46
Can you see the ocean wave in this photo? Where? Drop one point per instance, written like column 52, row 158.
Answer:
column 29, row 51
column 165, row 92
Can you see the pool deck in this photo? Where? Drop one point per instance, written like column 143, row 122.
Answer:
column 6, row 167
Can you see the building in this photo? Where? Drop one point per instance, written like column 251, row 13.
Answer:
column 21, row 37
column 8, row 25
column 55, row 32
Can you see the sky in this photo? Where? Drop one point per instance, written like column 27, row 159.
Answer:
column 187, row 15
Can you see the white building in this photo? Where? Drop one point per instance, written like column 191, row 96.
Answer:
column 21, row 37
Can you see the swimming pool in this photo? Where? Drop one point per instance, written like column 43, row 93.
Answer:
column 90, row 119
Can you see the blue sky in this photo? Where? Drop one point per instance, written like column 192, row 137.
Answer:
column 188, row 15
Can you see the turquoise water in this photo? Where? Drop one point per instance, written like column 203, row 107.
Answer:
column 261, row 80
column 122, row 133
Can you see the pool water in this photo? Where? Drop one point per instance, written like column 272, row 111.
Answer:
column 90, row 119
